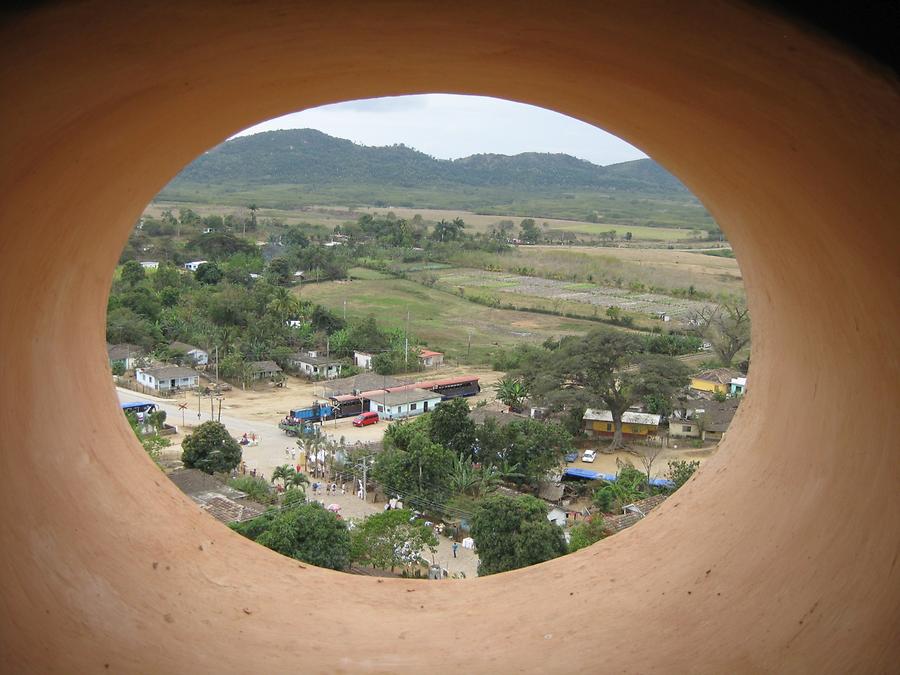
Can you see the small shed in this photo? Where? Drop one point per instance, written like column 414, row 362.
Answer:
column 315, row 366
column 264, row 370
column 431, row 359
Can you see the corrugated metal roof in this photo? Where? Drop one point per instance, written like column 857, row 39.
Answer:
column 628, row 417
column 404, row 397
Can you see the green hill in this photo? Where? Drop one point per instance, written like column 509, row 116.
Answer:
column 301, row 167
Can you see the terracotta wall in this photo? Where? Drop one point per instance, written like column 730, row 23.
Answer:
column 771, row 559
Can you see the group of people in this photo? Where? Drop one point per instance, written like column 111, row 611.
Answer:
column 331, row 489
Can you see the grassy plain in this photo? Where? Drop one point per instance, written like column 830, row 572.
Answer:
column 440, row 319
column 619, row 208
column 327, row 217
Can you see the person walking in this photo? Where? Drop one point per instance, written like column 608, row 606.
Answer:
column 455, row 547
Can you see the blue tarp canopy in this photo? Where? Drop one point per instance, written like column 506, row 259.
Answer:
column 575, row 472
column 581, row 473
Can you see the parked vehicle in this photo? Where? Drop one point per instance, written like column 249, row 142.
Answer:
column 365, row 419
column 302, row 420
column 571, row 457
column 589, row 456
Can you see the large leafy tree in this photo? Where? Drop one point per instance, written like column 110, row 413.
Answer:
column 451, row 426
column 513, row 532
column 726, row 326
column 529, row 448
column 211, row 449
column 419, row 472
column 387, row 540
column 306, row 532
column 605, row 368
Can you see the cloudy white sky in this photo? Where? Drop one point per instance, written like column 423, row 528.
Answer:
column 449, row 126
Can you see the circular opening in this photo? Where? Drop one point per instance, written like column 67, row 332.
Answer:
column 109, row 568
column 289, row 279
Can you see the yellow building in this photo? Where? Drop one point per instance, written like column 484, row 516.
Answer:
column 715, row 380
column 600, row 423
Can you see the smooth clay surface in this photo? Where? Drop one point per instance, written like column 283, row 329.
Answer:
column 779, row 556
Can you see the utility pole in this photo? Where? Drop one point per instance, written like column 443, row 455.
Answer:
column 469, row 348
column 217, row 365
column 345, row 309
column 365, row 467
column 199, row 396
column 406, row 341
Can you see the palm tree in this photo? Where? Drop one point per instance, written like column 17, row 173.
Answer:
column 299, row 481
column 252, row 208
column 284, row 304
column 284, row 473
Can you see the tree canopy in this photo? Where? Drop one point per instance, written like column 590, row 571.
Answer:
column 211, row 449
column 513, row 532
column 306, row 532
column 389, row 539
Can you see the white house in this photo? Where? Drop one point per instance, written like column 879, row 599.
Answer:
column 313, row 365
column 400, row 404
column 738, row 386
column 197, row 355
column 168, row 378
column 194, row 264
column 125, row 354
column 150, row 265
column 363, row 360
column 430, row 359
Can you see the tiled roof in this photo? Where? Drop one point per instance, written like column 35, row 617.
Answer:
column 717, row 375
column 619, row 522
column 264, row 367
column 628, row 417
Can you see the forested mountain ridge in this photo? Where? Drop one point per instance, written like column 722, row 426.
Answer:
column 312, row 158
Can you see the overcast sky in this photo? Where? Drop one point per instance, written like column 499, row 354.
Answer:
column 449, row 126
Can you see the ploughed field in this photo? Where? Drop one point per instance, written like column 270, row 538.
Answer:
column 562, row 295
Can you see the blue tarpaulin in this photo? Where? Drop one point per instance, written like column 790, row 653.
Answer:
column 581, row 473
column 611, row 477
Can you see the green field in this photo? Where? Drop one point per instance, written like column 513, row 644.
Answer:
column 441, row 320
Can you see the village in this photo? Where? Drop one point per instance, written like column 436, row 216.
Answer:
column 330, row 429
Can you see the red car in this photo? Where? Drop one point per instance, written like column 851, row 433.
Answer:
column 365, row 419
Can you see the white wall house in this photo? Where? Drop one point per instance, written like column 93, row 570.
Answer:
column 194, row 264
column 125, row 353
column 168, row 378
column 363, row 360
column 738, row 386
column 315, row 366
column 431, row 359
column 199, row 356
column 402, row 404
